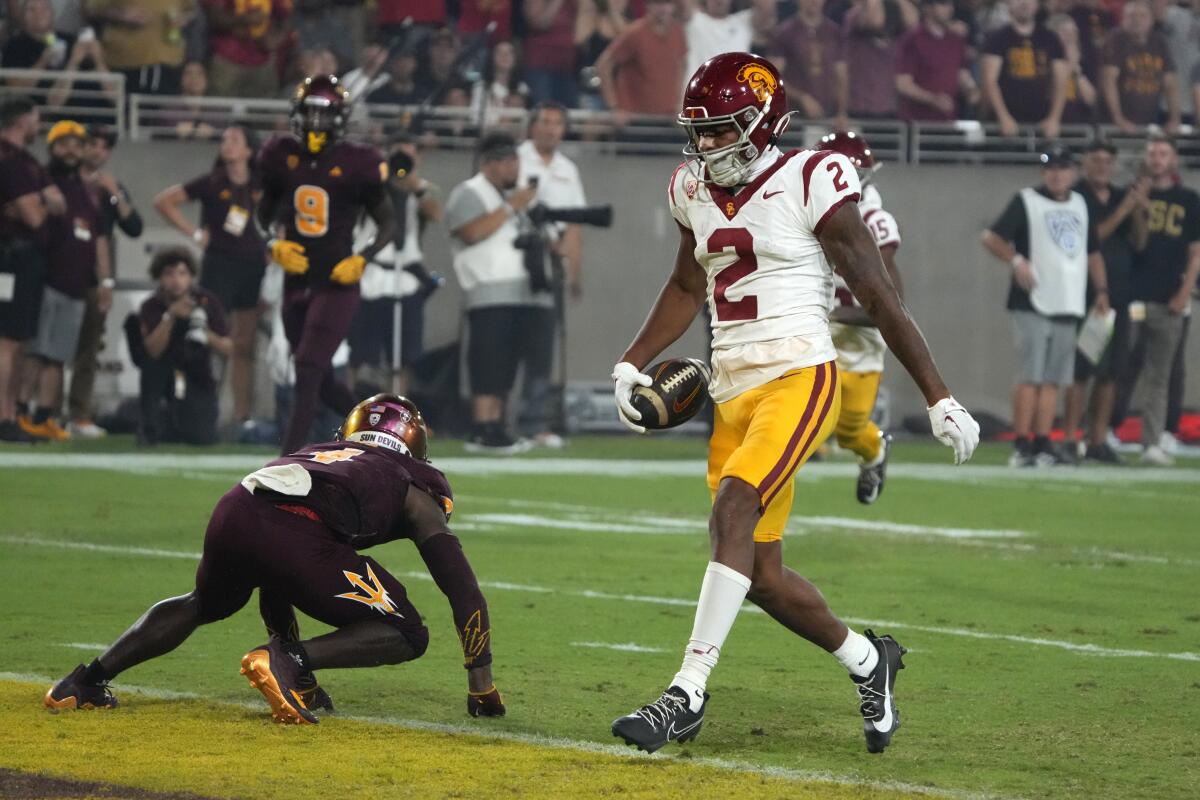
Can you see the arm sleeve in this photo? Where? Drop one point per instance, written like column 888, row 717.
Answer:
column 829, row 181
column 1194, row 219
column 677, row 197
column 1054, row 48
column 1012, row 221
column 196, row 188
column 462, row 206
column 883, row 227
column 905, row 62
column 1093, row 238
column 993, row 44
column 132, row 225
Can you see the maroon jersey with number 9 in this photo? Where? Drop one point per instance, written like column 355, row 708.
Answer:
column 322, row 195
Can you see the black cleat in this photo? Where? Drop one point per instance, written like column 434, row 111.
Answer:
column 1103, row 454
column 870, row 479
column 877, row 705
column 72, row 694
column 667, row 719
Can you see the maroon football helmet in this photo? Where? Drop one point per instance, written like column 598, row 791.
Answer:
column 388, row 420
column 854, row 147
column 739, row 89
column 320, row 108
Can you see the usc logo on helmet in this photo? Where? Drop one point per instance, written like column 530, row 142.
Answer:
column 761, row 81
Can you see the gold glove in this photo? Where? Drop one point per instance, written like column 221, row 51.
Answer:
column 349, row 270
column 290, row 256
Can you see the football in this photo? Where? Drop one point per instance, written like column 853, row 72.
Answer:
column 679, row 391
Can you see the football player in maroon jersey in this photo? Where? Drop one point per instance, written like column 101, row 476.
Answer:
column 315, row 185
column 293, row 530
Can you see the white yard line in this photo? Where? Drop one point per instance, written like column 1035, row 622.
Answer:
column 592, row 594
column 555, row 742
column 616, row 468
column 627, row 647
column 89, row 646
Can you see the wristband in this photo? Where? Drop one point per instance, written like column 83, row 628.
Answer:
column 108, row 283
column 1017, row 259
column 198, row 236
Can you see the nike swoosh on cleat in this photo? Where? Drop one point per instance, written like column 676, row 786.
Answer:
column 675, row 734
column 884, row 725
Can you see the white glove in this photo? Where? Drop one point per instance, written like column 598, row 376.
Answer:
column 627, row 377
column 955, row 428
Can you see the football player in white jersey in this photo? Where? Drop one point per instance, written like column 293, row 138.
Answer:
column 759, row 231
column 860, row 347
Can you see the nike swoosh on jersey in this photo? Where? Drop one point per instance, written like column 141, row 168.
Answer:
column 769, row 195
column 675, row 734
column 884, row 725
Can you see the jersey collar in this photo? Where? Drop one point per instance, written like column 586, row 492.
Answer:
column 731, row 204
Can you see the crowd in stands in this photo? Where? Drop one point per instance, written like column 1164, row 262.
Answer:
column 1131, row 63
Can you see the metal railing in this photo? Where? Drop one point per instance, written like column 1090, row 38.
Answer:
column 93, row 98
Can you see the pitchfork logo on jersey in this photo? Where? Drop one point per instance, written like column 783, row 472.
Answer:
column 761, row 81
column 1066, row 229
column 374, row 595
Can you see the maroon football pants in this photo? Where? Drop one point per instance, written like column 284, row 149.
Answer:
column 315, row 319
column 253, row 543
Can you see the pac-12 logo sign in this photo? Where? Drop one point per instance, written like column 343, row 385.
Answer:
column 761, row 81
column 1066, row 229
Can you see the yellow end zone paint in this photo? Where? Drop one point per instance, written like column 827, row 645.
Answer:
column 229, row 751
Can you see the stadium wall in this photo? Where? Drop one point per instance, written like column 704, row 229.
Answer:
column 954, row 290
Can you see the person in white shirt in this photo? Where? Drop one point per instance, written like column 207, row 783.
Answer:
column 759, row 231
column 558, row 186
column 712, row 27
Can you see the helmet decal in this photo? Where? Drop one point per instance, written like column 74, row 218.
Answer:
column 761, row 81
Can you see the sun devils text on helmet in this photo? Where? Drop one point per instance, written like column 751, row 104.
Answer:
column 390, row 421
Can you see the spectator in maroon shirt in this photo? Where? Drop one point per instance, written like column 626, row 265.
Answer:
column 1138, row 75
column 475, row 15
column 1025, row 73
column 809, row 51
column 1080, row 105
column 76, row 255
column 642, row 70
column 243, row 38
column 426, row 15
column 932, row 67
column 871, row 28
column 550, row 51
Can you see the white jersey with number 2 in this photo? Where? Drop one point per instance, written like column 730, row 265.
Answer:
column 770, row 288
column 861, row 348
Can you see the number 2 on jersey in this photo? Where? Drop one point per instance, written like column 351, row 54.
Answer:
column 312, row 210
column 747, row 262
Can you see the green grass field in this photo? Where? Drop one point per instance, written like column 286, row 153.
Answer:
column 1053, row 619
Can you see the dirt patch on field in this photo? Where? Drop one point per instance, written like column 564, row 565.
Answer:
column 16, row 785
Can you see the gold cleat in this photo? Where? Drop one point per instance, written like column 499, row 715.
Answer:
column 272, row 672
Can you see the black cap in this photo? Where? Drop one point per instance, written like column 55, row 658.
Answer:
column 1101, row 144
column 497, row 145
column 1057, row 156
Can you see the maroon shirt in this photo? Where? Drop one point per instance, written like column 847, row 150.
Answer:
column 153, row 308
column 1026, row 78
column 811, row 55
column 322, row 195
column 1142, row 68
column 20, row 175
column 227, row 211
column 71, row 238
column 359, row 490
column 933, row 62
column 553, row 49
column 869, row 55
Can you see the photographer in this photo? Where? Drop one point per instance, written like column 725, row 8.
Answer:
column 396, row 274
column 181, row 326
column 508, row 319
column 559, row 186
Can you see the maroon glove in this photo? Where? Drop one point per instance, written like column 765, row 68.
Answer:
column 485, row 704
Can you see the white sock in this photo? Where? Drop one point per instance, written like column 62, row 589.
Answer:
column 721, row 595
column 857, row 654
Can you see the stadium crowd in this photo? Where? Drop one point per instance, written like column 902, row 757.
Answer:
column 1131, row 63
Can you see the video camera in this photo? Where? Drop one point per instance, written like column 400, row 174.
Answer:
column 535, row 234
